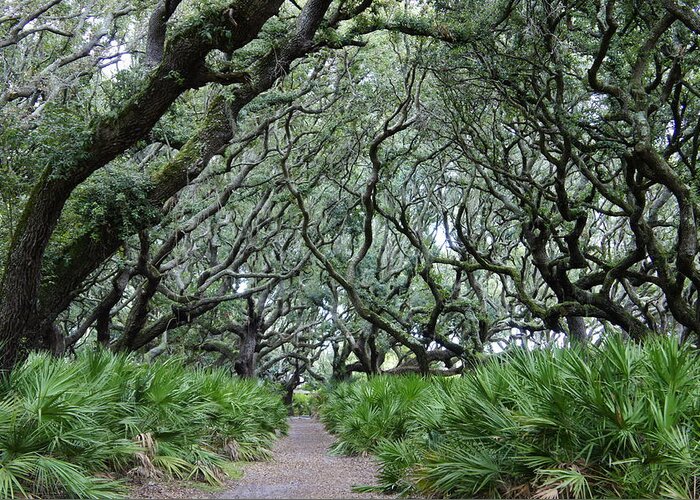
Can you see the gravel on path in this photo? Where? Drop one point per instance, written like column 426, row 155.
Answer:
column 302, row 468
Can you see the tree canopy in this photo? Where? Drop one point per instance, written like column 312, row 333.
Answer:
column 302, row 190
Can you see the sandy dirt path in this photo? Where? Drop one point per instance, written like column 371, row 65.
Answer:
column 303, row 468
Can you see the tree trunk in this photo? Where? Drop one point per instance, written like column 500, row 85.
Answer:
column 577, row 329
column 246, row 363
column 289, row 386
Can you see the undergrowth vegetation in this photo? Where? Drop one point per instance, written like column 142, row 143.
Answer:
column 304, row 404
column 67, row 428
column 621, row 420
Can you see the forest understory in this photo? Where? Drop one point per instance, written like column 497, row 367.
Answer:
column 464, row 232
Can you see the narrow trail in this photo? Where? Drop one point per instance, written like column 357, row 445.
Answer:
column 302, row 468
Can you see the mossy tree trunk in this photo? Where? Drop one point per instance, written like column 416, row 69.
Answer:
column 182, row 67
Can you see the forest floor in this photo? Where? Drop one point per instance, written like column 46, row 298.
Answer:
column 301, row 467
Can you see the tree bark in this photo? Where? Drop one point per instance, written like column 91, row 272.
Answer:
column 245, row 364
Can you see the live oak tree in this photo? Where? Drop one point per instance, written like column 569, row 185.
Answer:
column 563, row 154
column 179, row 57
column 403, row 185
column 222, row 267
column 586, row 152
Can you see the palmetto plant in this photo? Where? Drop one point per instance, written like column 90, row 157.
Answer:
column 66, row 425
column 616, row 421
column 366, row 414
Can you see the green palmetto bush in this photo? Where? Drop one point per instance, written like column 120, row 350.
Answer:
column 304, row 404
column 621, row 420
column 68, row 426
column 365, row 414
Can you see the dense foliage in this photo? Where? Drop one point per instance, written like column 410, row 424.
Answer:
column 343, row 186
column 304, row 191
column 68, row 426
column 615, row 421
column 304, row 404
